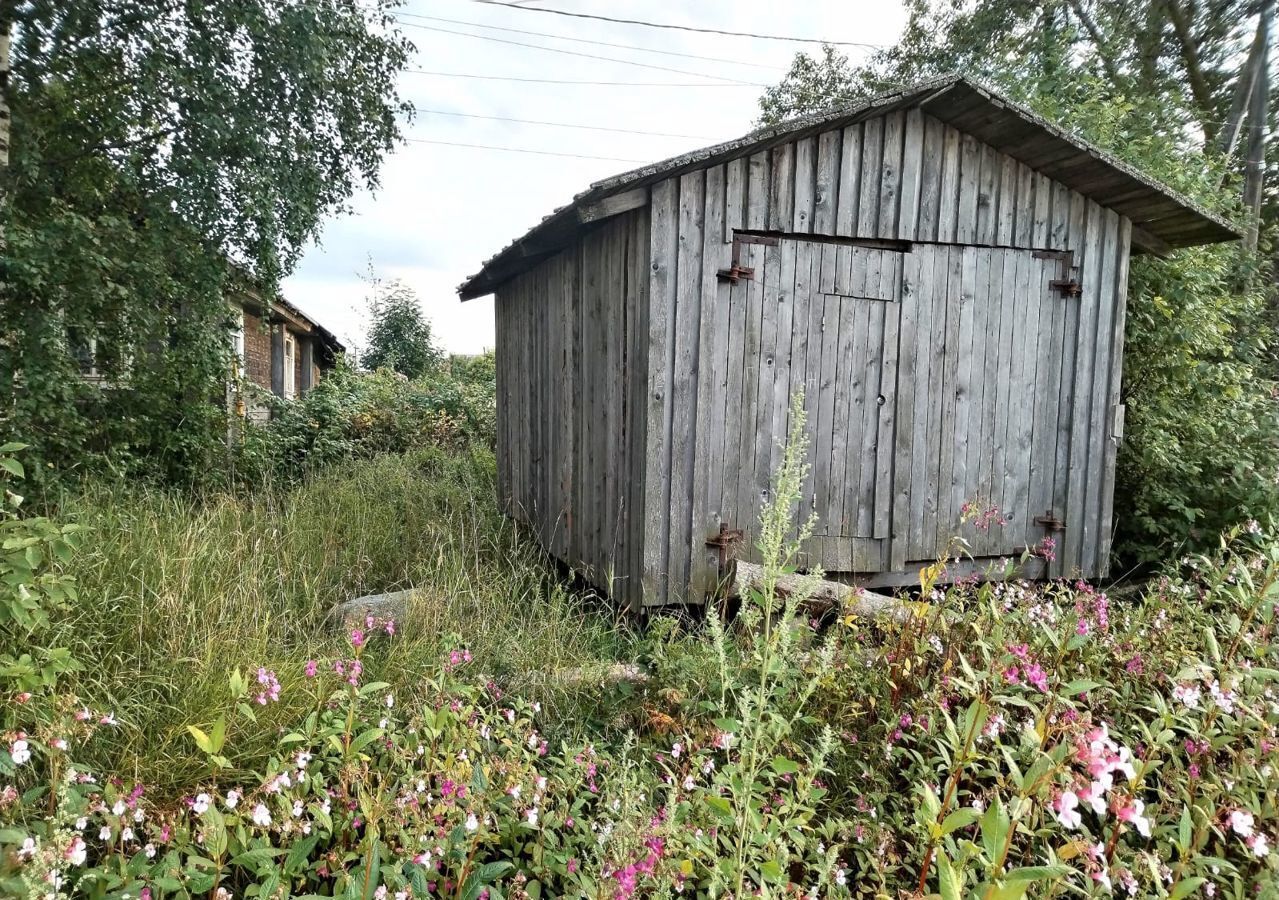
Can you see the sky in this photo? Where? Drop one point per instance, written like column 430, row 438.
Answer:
column 441, row 209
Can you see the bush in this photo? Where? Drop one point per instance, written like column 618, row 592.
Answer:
column 352, row 415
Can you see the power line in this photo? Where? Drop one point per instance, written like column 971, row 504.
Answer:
column 442, row 112
column 577, row 40
column 625, row 62
column 525, row 150
column 675, row 84
column 745, row 34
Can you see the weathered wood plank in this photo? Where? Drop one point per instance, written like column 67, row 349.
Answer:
column 845, row 364
column 735, row 199
column 872, row 159
column 928, row 421
column 1114, row 421
column 963, row 386
column 987, row 229
column 931, row 180
column 890, row 174
column 664, row 256
column 770, row 334
column 805, row 185
column 781, row 191
column 1105, row 296
column 1011, row 310
column 711, row 378
column 1085, row 338
column 969, row 189
column 895, row 474
column 848, row 200
column 684, row 391
column 948, row 191
column 827, row 392
column 826, row 198
column 782, row 357
column 758, row 189
column 911, row 176
column 886, row 397
column 875, row 352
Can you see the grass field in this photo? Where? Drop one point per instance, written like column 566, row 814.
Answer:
column 176, row 591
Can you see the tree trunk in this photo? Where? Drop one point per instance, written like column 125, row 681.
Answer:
column 1247, row 81
column 1258, row 112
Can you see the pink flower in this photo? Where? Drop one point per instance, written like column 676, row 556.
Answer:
column 1133, row 814
column 389, row 627
column 1012, row 675
column 271, row 687
column 357, row 638
column 311, row 668
column 1037, row 677
column 1021, row 651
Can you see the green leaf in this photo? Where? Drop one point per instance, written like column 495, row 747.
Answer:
column 771, row 871
column 950, row 882
column 1038, row 873
column 1187, row 887
column 783, row 766
column 365, row 739
column 960, row 818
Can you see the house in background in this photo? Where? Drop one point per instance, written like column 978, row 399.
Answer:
column 280, row 349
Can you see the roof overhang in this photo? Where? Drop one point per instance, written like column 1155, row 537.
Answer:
column 1163, row 219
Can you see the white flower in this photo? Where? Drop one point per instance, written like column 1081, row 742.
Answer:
column 531, row 816
column 126, row 834
column 28, row 848
column 841, row 877
column 390, row 701
column 1260, row 845
column 1241, row 822
column 1094, row 794
column 380, row 893
column 533, row 741
column 78, row 852
column 302, row 759
column 20, row 751
column 297, row 809
column 261, row 815
column 117, row 808
column 149, row 850
column 81, row 823
column 104, row 833
column 541, row 782
column 201, row 804
column 472, row 823
column 1066, row 809
column 689, row 784
column 60, row 743
column 232, row 798
column 677, row 749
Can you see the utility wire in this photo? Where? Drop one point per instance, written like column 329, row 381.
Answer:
column 577, row 40
column 675, row 84
column 745, row 34
column 525, row 150
column 441, row 112
column 578, row 53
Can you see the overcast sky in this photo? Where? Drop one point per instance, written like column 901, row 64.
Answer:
column 442, row 210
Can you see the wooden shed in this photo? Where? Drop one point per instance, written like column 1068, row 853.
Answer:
column 941, row 271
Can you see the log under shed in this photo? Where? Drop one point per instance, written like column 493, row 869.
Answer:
column 941, row 272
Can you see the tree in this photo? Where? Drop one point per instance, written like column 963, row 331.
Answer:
column 160, row 152
column 1169, row 86
column 399, row 335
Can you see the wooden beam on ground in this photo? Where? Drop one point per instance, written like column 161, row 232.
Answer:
column 827, row 595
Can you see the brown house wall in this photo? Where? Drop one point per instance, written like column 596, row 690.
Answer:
column 257, row 351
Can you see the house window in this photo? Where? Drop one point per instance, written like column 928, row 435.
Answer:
column 94, row 356
column 290, row 366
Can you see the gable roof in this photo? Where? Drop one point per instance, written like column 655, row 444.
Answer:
column 1161, row 215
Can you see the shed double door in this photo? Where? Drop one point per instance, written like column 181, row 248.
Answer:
column 931, row 378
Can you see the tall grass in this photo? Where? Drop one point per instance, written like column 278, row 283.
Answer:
column 176, row 592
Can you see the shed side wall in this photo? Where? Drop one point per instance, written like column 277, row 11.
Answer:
column 903, row 176
column 570, row 370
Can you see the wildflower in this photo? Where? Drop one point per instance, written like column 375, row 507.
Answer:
column 389, row 627
column 60, row 744
column 126, row 834
column 261, row 815
column 149, row 850
column 380, row 893
column 390, row 701
column 302, row 759
column 1225, row 700
column 1094, row 795
column 357, row 638
column 676, row 749
column 271, row 687
column 104, row 833
column 1133, row 814
column 472, row 823
column 1037, row 677
column 77, row 852
column 117, row 808
column 1012, row 675
column 201, row 804
column 81, row 823
column 531, row 816
column 232, row 798
column 108, row 719
column 1187, row 695
column 724, row 740
column 1242, row 822
column 20, row 752
column 311, row 667
column 1259, row 844
column 841, row 877
column 28, row 848
column 1066, row 809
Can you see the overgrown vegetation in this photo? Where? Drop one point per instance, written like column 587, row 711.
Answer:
column 1006, row 740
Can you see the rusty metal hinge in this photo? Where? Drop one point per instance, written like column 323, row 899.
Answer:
column 1068, row 285
column 1050, row 521
column 737, row 271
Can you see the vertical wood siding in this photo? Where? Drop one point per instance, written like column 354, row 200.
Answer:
column 572, row 343
column 996, row 388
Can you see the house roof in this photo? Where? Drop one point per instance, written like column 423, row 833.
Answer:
column 290, row 313
column 1165, row 216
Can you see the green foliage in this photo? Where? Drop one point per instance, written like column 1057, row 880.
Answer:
column 399, row 335
column 1199, row 452
column 149, row 147
column 351, row 415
